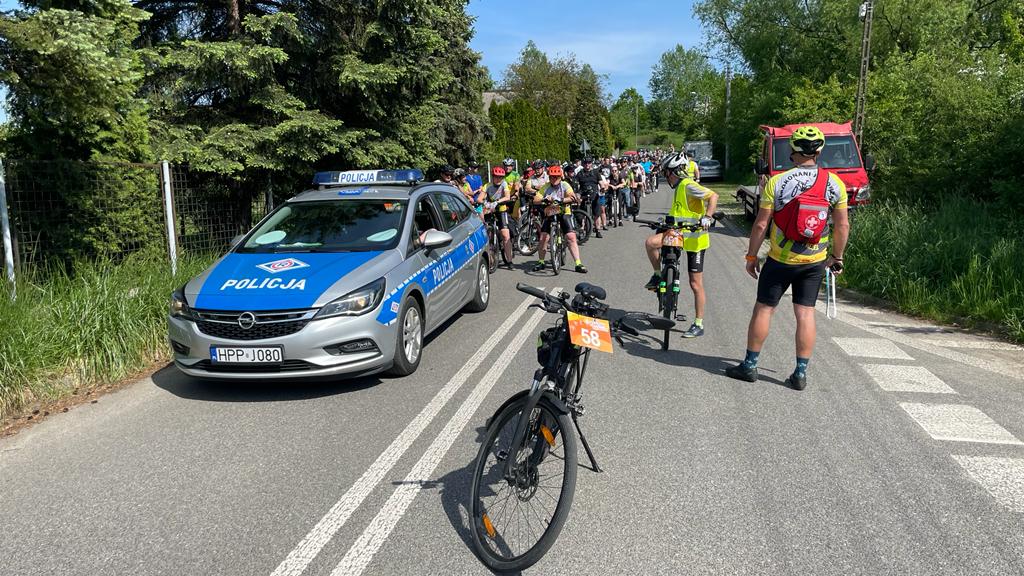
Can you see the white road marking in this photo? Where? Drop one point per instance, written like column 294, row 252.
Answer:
column 1003, row 478
column 308, row 548
column 364, row 549
column 958, row 423
column 991, row 364
column 975, row 344
column 871, row 348
column 892, row 378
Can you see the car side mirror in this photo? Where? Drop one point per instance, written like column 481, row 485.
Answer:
column 761, row 168
column 436, row 239
column 869, row 162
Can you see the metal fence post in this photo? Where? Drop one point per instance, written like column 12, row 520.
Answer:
column 168, row 194
column 5, row 229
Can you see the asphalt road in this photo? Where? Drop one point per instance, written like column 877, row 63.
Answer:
column 902, row 456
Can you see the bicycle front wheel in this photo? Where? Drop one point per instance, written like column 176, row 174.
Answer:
column 516, row 520
column 555, row 245
column 669, row 300
column 527, row 239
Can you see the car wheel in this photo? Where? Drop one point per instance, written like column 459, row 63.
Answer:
column 409, row 345
column 483, row 290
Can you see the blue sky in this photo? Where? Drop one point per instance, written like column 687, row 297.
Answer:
column 621, row 39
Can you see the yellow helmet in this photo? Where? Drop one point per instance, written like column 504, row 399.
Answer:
column 807, row 140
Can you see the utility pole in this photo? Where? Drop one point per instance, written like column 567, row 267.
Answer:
column 866, row 11
column 636, row 130
column 728, row 96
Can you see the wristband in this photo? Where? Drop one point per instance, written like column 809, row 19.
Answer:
column 750, row 258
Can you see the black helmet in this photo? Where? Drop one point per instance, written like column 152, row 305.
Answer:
column 447, row 169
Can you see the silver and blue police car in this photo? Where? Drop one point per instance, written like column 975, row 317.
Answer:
column 344, row 279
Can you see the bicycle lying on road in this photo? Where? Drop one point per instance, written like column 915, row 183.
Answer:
column 671, row 252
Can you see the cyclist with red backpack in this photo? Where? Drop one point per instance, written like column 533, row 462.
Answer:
column 796, row 205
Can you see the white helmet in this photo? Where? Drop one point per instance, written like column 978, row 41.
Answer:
column 675, row 163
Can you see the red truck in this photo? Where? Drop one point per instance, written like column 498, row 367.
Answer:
column 840, row 156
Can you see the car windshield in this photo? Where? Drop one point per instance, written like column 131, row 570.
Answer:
column 708, row 163
column 331, row 226
column 839, row 152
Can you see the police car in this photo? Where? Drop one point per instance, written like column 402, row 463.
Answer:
column 345, row 279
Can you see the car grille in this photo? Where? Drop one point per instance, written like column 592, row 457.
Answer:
column 285, row 366
column 268, row 324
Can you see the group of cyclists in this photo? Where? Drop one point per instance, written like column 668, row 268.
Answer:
column 609, row 188
column 802, row 212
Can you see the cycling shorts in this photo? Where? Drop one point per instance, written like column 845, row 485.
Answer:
column 568, row 223
column 777, row 277
column 503, row 219
column 695, row 261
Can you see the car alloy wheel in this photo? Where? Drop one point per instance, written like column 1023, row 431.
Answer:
column 412, row 335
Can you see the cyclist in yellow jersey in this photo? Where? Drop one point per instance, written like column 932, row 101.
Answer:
column 560, row 195
column 792, row 263
column 691, row 204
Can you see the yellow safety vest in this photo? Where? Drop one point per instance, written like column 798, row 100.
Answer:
column 689, row 210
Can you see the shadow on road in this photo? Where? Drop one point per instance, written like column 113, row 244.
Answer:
column 454, row 489
column 648, row 346
column 183, row 386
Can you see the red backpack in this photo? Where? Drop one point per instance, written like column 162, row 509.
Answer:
column 804, row 218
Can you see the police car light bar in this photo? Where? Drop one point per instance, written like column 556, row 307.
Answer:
column 407, row 177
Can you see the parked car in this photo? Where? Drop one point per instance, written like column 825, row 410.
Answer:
column 345, row 279
column 710, row 169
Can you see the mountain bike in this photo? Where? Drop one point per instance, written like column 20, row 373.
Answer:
column 524, row 476
column 615, row 207
column 584, row 220
column 671, row 253
column 556, row 245
column 528, row 239
column 494, row 237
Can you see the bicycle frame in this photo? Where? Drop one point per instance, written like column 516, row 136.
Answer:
column 568, row 372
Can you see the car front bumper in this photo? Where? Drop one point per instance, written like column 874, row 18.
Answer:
column 305, row 353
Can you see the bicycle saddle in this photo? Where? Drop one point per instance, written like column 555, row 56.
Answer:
column 590, row 291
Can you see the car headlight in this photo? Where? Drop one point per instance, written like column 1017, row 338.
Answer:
column 355, row 303
column 179, row 307
column 864, row 194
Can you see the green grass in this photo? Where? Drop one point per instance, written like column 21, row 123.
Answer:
column 960, row 262
column 103, row 323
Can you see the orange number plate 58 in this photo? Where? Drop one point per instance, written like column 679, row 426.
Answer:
column 590, row 332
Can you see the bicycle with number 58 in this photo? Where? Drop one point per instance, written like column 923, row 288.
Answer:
column 524, row 477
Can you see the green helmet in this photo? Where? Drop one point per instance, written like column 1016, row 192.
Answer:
column 807, row 140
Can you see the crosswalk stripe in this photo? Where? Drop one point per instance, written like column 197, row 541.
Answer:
column 958, row 423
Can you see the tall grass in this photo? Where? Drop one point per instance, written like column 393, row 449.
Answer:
column 957, row 260
column 102, row 323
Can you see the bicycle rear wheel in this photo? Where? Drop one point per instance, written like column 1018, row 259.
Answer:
column 516, row 521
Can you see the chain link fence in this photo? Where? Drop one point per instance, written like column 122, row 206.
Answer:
column 64, row 212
